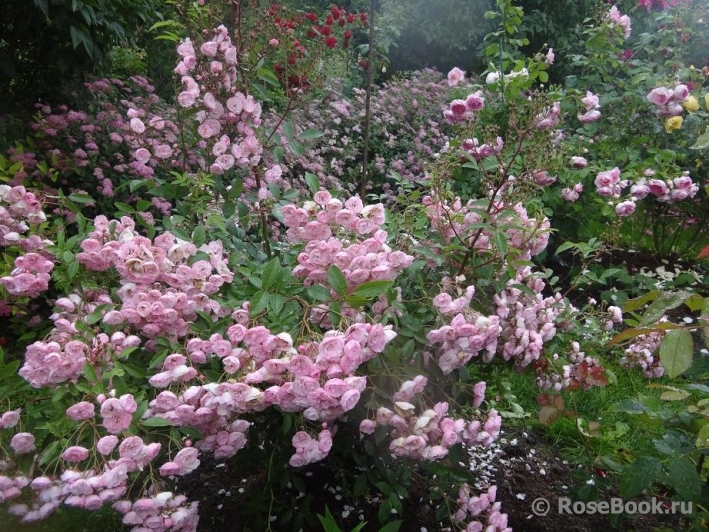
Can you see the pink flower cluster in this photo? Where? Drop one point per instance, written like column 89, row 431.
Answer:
column 160, row 513
column 474, row 506
column 429, row 435
column 608, row 183
column 482, row 151
column 643, row 353
column 527, row 322
column 161, row 289
column 62, row 355
column 308, row 449
column 463, row 110
column 668, row 101
column 529, row 236
column 592, row 113
column 316, row 378
column 184, row 462
column 327, row 226
column 466, row 336
column 30, row 276
column 665, row 191
column 615, row 18
column 572, row 193
column 549, row 117
column 19, row 209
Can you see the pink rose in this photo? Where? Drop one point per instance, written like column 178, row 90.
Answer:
column 22, row 442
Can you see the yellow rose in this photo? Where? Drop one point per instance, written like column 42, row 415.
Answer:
column 691, row 103
column 673, row 123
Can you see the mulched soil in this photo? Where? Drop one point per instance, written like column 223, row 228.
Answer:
column 522, row 465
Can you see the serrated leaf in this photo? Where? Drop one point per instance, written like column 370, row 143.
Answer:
column 271, row 273
column 372, row 289
column 258, row 303
column 676, row 352
column 310, row 134
column 81, row 198
column 683, row 477
column 318, row 292
column 337, row 280
column 155, row 421
column 638, row 476
column 312, row 181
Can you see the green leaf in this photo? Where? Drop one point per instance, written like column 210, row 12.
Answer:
column 90, row 373
column 155, row 421
column 258, row 303
column 199, row 235
column 666, row 301
column 702, row 142
column 271, row 273
column 318, row 292
column 310, row 134
column 288, row 130
column 81, row 198
column 702, row 441
column 372, row 289
column 312, row 181
column 296, row 147
column 637, row 303
column 684, row 479
column 337, row 280
column 638, row 476
column 676, row 352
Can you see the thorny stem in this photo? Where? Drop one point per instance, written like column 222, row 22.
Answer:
column 500, row 186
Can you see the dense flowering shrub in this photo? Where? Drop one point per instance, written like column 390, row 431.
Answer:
column 407, row 132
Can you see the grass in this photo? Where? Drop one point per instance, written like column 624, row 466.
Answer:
column 623, row 436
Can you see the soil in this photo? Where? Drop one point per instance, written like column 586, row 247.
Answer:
column 523, row 466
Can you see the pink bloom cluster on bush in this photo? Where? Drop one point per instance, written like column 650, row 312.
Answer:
column 592, row 113
column 667, row 190
column 617, row 19
column 429, row 435
column 347, row 235
column 162, row 289
column 484, row 504
column 529, row 236
column 668, row 101
column 462, row 110
column 642, row 353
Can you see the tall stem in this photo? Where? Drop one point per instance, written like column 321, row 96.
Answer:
column 367, row 105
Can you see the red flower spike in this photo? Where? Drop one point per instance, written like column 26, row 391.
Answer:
column 331, row 42
column 363, row 17
column 312, row 33
column 341, row 22
column 312, row 17
column 327, row 31
column 347, row 34
column 329, row 21
column 351, row 18
column 335, row 12
column 362, row 63
column 345, row 45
